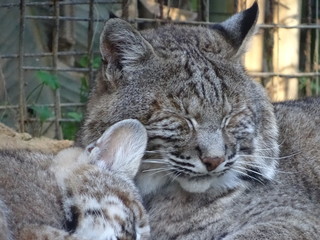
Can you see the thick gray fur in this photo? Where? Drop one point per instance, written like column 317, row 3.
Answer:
column 212, row 168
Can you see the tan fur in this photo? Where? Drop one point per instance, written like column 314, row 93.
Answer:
column 9, row 139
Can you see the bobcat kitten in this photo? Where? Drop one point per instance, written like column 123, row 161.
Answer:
column 77, row 194
column 210, row 171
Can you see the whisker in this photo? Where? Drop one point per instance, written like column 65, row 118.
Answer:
column 175, row 176
column 250, row 170
column 156, row 151
column 157, row 172
column 152, row 161
column 277, row 158
column 246, row 174
column 253, row 171
column 168, row 174
column 266, row 149
column 154, row 169
column 264, row 167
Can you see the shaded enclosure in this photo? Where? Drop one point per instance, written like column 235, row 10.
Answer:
column 49, row 51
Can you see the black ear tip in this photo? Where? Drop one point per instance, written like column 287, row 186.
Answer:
column 255, row 4
column 254, row 9
column 249, row 19
column 112, row 15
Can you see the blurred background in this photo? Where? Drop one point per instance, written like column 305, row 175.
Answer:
column 49, row 52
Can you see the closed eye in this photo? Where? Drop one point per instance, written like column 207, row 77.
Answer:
column 228, row 164
column 247, row 150
column 224, row 122
column 192, row 123
column 186, row 164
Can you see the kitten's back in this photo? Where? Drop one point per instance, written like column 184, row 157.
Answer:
column 28, row 189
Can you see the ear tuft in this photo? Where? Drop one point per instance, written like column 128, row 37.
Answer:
column 121, row 44
column 121, row 147
column 249, row 20
column 240, row 27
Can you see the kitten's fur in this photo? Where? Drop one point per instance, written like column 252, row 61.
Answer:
column 77, row 194
column 210, row 171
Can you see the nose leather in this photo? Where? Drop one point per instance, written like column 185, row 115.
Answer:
column 212, row 163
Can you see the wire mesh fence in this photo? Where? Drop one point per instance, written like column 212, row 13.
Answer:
column 49, row 51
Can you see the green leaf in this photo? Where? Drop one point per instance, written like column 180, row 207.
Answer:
column 48, row 79
column 96, row 62
column 76, row 116
column 42, row 112
column 194, row 5
column 84, row 90
column 84, row 61
column 70, row 129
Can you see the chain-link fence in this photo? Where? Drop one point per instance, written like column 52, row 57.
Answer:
column 49, row 51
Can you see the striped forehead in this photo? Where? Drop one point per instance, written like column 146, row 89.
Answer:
column 202, row 83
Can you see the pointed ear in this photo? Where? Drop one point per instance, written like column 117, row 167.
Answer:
column 239, row 28
column 122, row 45
column 120, row 148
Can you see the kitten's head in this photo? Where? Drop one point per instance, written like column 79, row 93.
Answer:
column 120, row 148
column 100, row 198
column 209, row 125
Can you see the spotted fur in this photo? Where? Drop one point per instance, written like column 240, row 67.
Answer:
column 77, row 194
column 210, row 170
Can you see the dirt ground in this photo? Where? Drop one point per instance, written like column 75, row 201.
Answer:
column 10, row 139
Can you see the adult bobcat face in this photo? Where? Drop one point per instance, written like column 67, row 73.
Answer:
column 209, row 125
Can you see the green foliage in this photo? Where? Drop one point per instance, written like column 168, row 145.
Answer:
column 84, row 90
column 74, row 115
column 194, row 5
column 85, row 62
column 42, row 112
column 70, row 129
column 305, row 83
column 48, row 79
column 84, row 87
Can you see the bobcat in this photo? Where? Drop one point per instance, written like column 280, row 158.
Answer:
column 212, row 169
column 77, row 194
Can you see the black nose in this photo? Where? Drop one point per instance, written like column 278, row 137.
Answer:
column 212, row 163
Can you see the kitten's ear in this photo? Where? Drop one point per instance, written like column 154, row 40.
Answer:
column 240, row 28
column 121, row 147
column 122, row 45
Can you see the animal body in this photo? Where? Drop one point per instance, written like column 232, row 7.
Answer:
column 77, row 194
column 212, row 168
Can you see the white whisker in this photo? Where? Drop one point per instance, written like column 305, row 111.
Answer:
column 157, row 172
column 175, row 176
column 169, row 173
column 266, row 149
column 154, row 169
column 253, row 171
column 267, row 168
column 155, row 151
column 153, row 161
column 276, row 158
column 245, row 174
column 250, row 170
